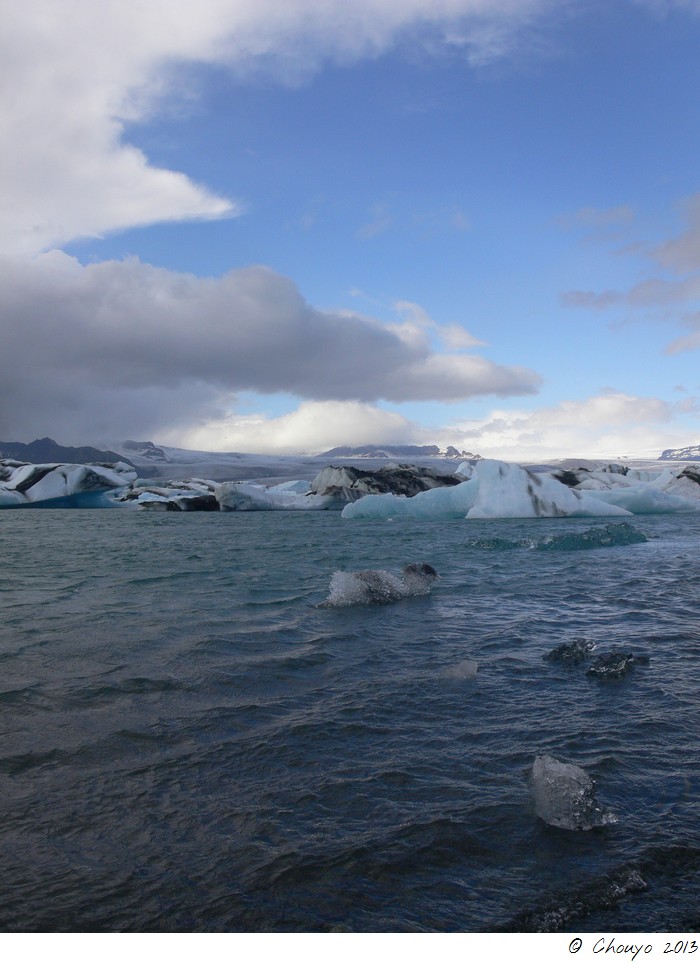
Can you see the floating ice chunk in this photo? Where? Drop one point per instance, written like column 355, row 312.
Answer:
column 572, row 652
column 462, row 670
column 378, row 587
column 610, row 535
column 242, row 496
column 564, row 796
column 615, row 664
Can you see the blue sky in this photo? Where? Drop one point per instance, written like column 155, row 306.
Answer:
column 287, row 225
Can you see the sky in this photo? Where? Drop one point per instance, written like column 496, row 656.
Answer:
column 278, row 226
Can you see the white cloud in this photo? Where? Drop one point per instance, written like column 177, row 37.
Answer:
column 314, row 427
column 611, row 424
column 103, row 340
column 74, row 73
column 417, row 323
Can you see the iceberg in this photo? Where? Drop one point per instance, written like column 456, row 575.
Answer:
column 481, row 489
column 564, row 796
column 496, row 489
column 462, row 670
column 242, row 496
column 378, row 587
column 59, row 485
column 191, row 494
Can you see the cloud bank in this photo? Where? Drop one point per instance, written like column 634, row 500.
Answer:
column 607, row 425
column 122, row 344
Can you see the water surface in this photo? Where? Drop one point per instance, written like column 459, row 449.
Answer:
column 190, row 743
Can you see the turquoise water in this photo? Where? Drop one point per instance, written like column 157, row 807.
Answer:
column 189, row 743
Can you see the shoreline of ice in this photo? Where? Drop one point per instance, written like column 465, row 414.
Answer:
column 478, row 489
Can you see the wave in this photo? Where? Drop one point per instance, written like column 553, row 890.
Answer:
column 659, row 871
column 557, row 914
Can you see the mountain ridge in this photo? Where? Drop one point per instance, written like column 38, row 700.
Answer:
column 691, row 453
column 398, row 451
column 48, row 451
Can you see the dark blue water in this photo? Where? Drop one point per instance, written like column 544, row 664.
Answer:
column 188, row 743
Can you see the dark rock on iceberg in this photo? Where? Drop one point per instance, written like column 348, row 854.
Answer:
column 192, row 494
column 691, row 472
column 348, row 483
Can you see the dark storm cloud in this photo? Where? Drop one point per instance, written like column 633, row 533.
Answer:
column 99, row 348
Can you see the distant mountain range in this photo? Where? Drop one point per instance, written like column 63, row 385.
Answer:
column 48, row 451
column 146, row 453
column 681, row 454
column 398, row 451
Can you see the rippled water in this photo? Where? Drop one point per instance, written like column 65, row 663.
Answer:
column 189, row 743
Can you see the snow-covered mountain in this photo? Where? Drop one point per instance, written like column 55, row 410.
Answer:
column 681, row 454
column 393, row 451
column 154, row 460
column 160, row 461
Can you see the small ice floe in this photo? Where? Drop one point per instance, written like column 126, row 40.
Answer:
column 378, row 587
column 462, row 670
column 615, row 664
column 564, row 796
column 611, row 664
column 573, row 652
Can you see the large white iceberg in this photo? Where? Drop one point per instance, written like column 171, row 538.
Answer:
column 496, row 489
column 27, row 485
